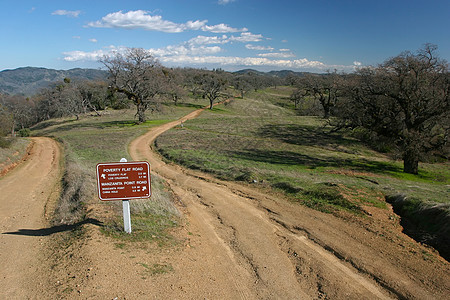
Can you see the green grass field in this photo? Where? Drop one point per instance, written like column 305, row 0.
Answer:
column 261, row 140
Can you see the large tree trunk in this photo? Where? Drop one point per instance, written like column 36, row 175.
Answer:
column 411, row 160
column 140, row 112
column 13, row 133
column 326, row 111
column 325, row 106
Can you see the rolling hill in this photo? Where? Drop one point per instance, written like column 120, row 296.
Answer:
column 281, row 74
column 29, row 80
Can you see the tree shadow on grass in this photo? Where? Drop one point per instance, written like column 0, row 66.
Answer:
column 46, row 124
column 293, row 158
column 55, row 229
column 92, row 125
column 185, row 104
column 304, row 135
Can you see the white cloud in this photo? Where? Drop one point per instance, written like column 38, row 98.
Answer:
column 357, row 63
column 93, row 40
column 191, row 54
column 243, row 37
column 284, row 50
column 205, row 40
column 195, row 25
column 247, row 37
column 96, row 55
column 246, row 61
column 184, row 50
column 84, row 56
column 141, row 19
column 180, row 50
column 259, row 48
column 222, row 28
column 277, row 55
column 69, row 13
column 225, row 2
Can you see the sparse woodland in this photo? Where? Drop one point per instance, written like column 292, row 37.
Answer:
column 401, row 105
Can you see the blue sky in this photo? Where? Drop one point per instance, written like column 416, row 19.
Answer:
column 312, row 35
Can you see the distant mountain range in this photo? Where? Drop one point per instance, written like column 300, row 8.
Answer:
column 29, row 80
column 281, row 74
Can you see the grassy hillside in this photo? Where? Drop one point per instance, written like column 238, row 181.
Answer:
column 261, row 141
column 257, row 140
column 29, row 80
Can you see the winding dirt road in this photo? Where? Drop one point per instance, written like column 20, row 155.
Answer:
column 25, row 194
column 237, row 243
column 265, row 247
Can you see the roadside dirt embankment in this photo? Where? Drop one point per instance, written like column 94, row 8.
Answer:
column 428, row 224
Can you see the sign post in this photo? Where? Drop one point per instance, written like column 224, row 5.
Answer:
column 124, row 181
column 126, row 210
column 126, row 216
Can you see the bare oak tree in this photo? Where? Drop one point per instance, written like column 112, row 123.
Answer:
column 242, row 83
column 174, row 84
column 138, row 75
column 212, row 84
column 324, row 88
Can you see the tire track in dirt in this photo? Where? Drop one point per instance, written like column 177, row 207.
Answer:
column 246, row 236
column 25, row 194
column 234, row 277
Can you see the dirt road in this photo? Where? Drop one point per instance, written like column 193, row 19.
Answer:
column 265, row 247
column 25, row 193
column 241, row 243
column 236, row 243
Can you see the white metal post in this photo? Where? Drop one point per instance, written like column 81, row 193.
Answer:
column 126, row 216
column 126, row 211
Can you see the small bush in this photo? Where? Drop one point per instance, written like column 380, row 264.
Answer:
column 4, row 142
column 24, row 132
column 246, row 175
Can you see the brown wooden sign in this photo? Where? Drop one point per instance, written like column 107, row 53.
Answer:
column 123, row 181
